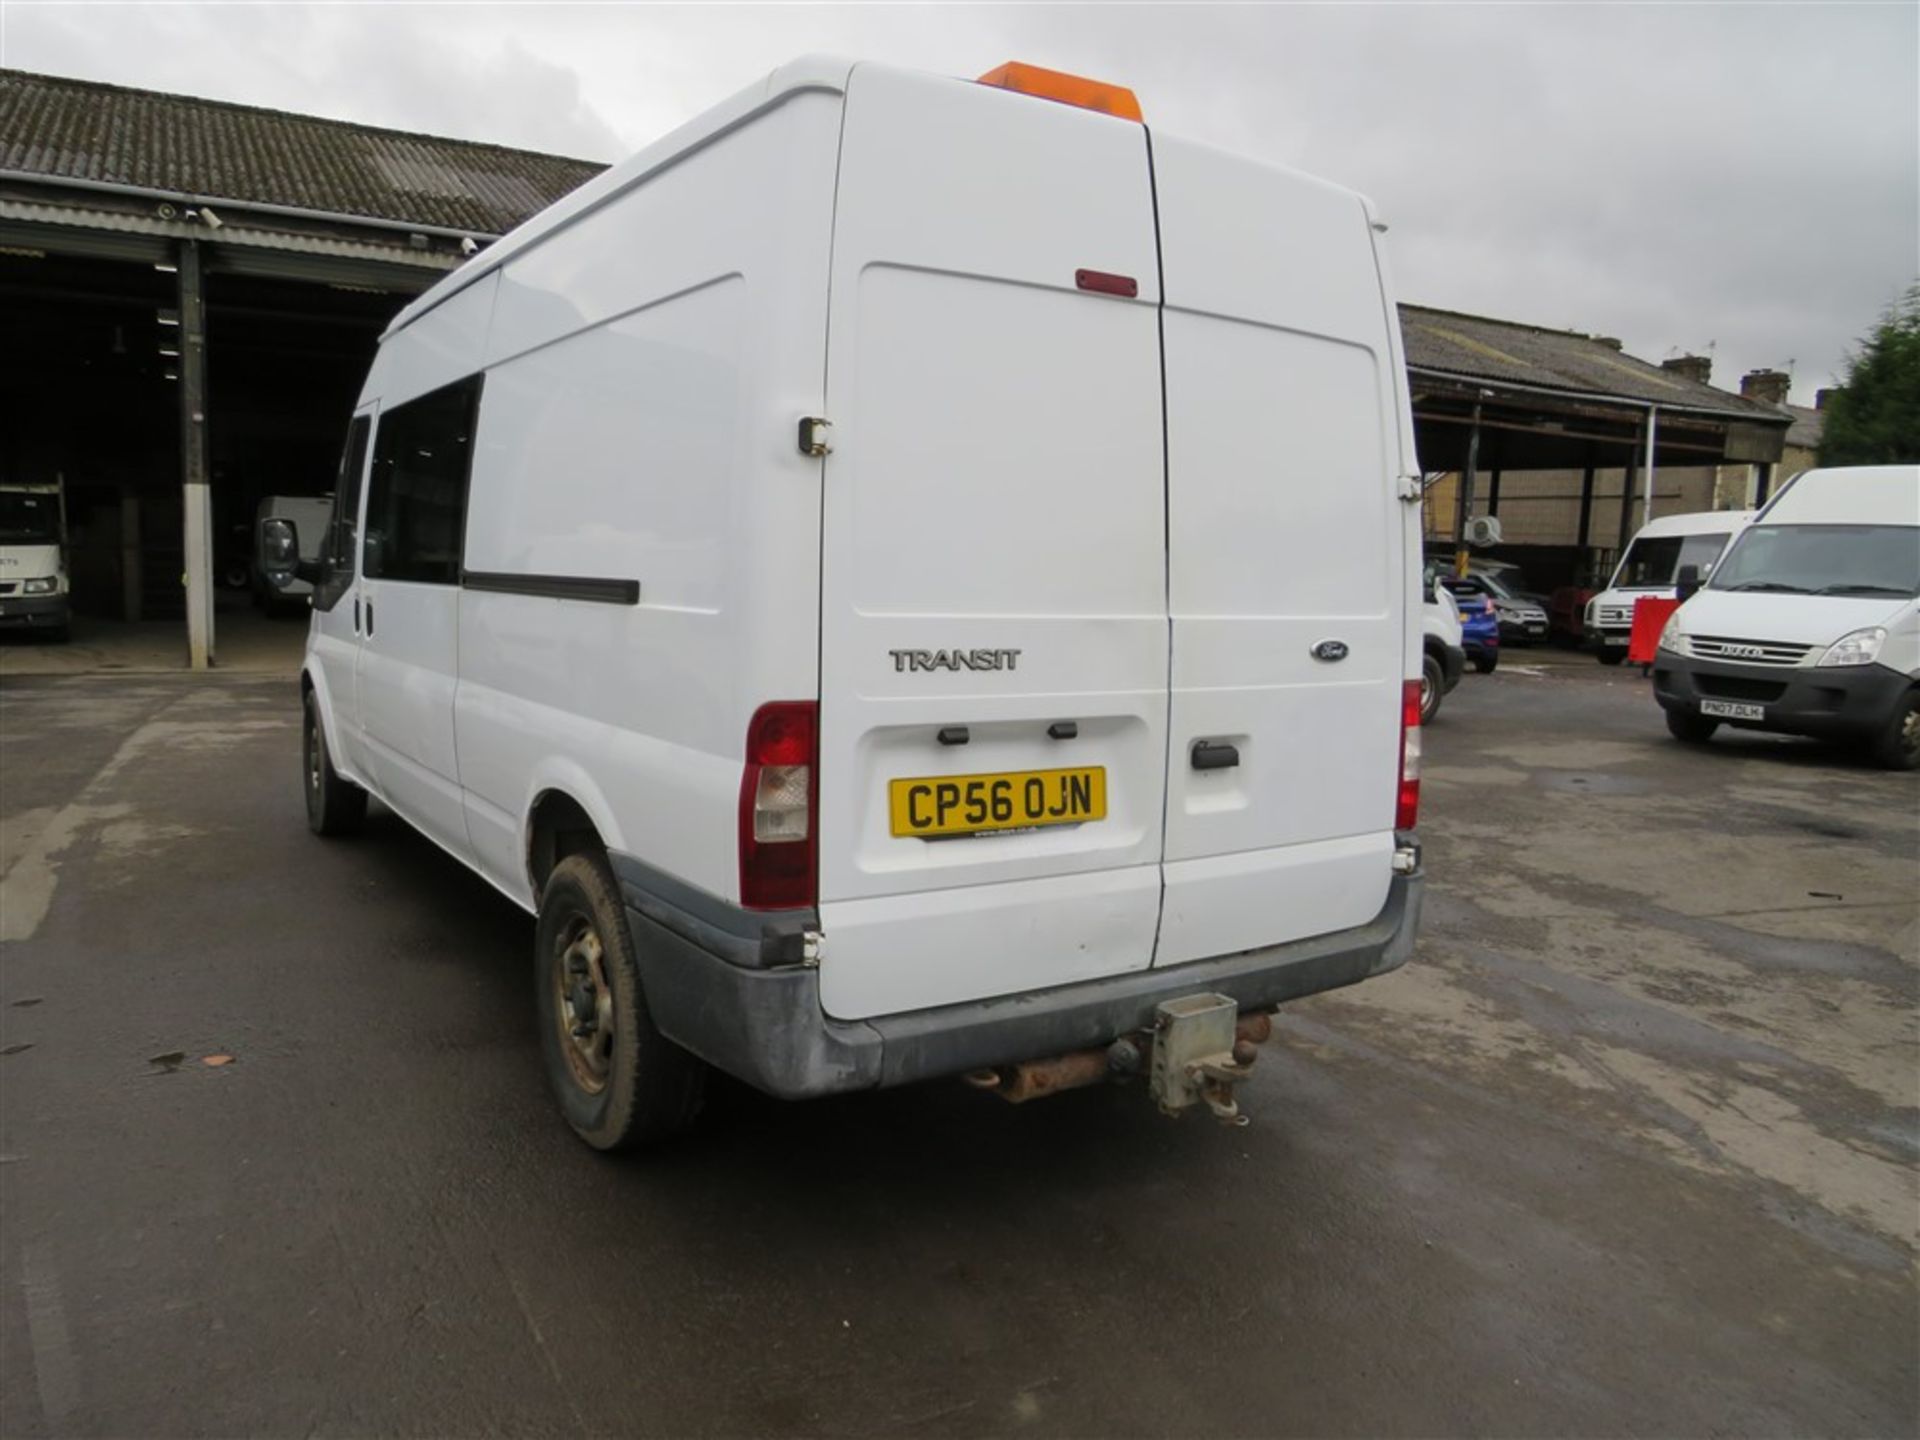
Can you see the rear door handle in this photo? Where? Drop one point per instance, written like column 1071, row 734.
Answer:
column 1209, row 755
column 369, row 618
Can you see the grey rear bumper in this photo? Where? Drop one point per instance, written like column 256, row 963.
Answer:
column 763, row 1023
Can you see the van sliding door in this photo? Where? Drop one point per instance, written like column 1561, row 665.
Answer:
column 993, row 623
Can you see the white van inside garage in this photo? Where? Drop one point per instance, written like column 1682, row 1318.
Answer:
column 904, row 577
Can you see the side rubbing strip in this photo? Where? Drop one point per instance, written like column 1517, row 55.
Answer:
column 555, row 587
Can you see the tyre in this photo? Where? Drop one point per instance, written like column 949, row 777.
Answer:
column 619, row 1081
column 335, row 806
column 1898, row 745
column 1433, row 683
column 1485, row 664
column 1612, row 655
column 1693, row 729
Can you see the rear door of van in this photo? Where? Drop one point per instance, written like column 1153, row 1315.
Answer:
column 994, row 639
column 1287, row 556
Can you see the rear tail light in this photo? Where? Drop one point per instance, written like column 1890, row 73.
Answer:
column 1407, row 813
column 779, row 807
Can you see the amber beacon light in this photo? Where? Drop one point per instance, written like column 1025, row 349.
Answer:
column 1114, row 100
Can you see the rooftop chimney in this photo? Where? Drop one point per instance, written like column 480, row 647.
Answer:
column 1690, row 367
column 1821, row 397
column 1769, row 387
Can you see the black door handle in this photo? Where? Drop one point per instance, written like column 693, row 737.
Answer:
column 356, row 614
column 369, row 618
column 1207, row 755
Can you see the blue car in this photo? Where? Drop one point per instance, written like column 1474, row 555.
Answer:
column 1479, row 623
column 1479, row 632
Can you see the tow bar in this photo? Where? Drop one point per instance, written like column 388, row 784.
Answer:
column 1197, row 1058
column 1198, row 1049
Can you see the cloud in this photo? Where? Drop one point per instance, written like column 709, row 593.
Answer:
column 1674, row 175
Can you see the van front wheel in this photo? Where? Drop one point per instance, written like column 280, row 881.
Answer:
column 1692, row 729
column 619, row 1081
column 335, row 805
column 1898, row 746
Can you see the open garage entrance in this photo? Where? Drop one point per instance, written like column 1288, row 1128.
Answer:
column 90, row 395
column 190, row 295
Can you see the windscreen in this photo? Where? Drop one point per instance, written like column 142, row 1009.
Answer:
column 1825, row 560
column 1655, row 562
column 29, row 517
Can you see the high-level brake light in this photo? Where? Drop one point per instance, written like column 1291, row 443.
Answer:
column 1115, row 100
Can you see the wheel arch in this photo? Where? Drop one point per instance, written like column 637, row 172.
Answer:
column 565, row 814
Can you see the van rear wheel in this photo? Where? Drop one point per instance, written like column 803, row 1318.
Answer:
column 335, row 806
column 619, row 1081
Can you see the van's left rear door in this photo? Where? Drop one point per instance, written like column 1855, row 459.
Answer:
column 993, row 604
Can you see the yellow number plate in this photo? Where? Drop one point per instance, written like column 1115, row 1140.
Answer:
column 980, row 804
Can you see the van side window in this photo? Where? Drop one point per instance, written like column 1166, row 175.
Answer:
column 417, row 495
column 336, row 550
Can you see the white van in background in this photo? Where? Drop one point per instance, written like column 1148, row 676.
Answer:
column 1811, row 625
column 825, row 569
column 33, row 558
column 1651, row 568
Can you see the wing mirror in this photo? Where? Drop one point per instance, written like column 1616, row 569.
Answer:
column 1688, row 583
column 277, row 550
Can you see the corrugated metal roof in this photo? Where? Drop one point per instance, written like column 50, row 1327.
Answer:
column 64, row 129
column 1479, row 348
column 28, row 212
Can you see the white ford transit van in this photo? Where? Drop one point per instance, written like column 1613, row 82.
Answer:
column 1810, row 626
column 1651, row 567
column 904, row 578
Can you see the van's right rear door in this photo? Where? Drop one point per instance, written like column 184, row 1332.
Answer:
column 1288, row 556
column 993, row 612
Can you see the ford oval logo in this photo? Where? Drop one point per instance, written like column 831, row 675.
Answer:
column 1329, row 650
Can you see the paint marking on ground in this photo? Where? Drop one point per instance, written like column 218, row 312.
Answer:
column 55, row 1375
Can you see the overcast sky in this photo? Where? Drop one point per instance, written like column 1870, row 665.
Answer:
column 1741, row 176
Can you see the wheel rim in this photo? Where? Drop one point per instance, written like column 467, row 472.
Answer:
column 1910, row 731
column 1426, row 696
column 583, row 1004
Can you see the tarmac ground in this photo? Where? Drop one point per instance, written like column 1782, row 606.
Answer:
column 1632, row 1146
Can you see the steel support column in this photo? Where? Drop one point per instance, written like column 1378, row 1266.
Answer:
column 1653, row 430
column 1586, row 501
column 196, row 498
column 1464, row 511
column 1626, row 499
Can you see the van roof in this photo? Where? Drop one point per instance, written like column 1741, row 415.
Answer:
column 1696, row 522
column 1853, row 495
column 809, row 72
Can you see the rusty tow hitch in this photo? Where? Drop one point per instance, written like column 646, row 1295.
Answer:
column 1199, row 1048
